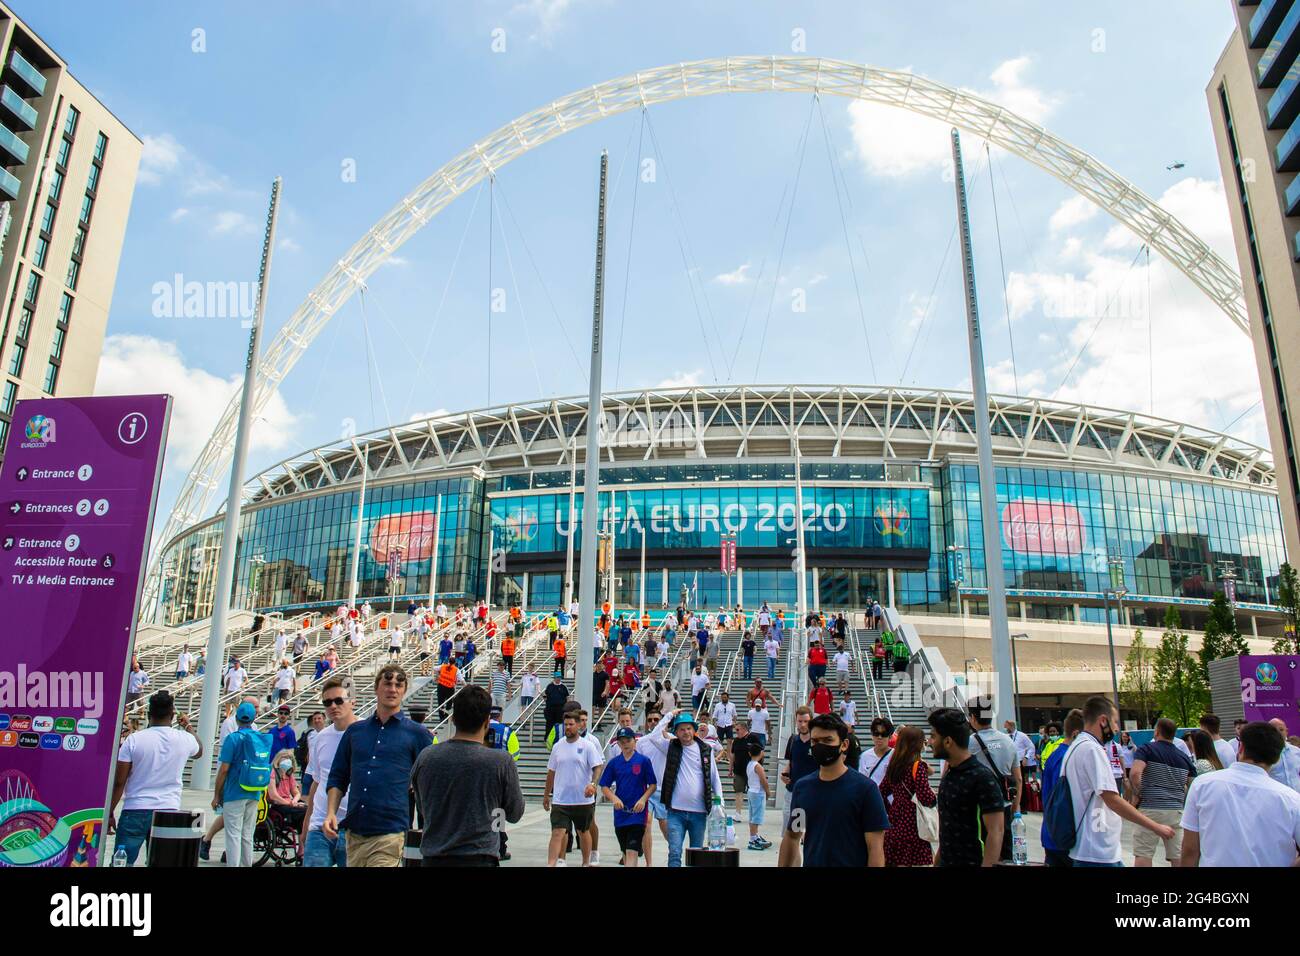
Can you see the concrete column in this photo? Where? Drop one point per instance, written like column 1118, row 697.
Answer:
column 816, row 591
column 889, row 573
column 523, row 598
column 1024, row 611
column 664, row 599
column 740, row 586
column 1254, row 626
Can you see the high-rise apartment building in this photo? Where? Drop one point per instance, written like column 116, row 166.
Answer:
column 67, row 174
column 1254, row 100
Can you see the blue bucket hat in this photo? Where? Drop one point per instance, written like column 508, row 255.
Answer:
column 245, row 713
column 685, row 718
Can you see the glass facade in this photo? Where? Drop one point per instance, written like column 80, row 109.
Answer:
column 1061, row 529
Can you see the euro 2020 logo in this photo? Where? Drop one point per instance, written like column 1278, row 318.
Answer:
column 1266, row 673
column 40, row 430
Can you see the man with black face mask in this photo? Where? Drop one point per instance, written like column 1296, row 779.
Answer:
column 840, row 815
column 1098, row 807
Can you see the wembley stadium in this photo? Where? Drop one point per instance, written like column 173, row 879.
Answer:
column 890, row 509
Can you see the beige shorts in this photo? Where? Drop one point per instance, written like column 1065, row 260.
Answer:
column 1145, row 842
column 384, row 849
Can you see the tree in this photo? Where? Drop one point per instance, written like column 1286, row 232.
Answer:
column 1288, row 595
column 1222, row 637
column 1137, row 688
column 1181, row 693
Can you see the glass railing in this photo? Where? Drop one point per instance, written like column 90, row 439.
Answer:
column 32, row 76
column 1283, row 105
column 1264, row 22
column 1281, row 50
column 1296, row 253
column 19, row 107
column 1288, row 149
column 9, row 184
column 16, row 147
column 1293, row 197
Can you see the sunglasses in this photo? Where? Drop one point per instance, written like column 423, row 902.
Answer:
column 334, row 701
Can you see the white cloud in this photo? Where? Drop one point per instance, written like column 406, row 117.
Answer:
column 396, row 262
column 1003, row 380
column 231, row 223
column 736, row 277
column 435, row 414
column 1071, row 213
column 179, row 214
column 288, row 245
column 160, row 157
column 547, row 13
column 135, row 364
column 684, row 380
column 818, row 278
column 894, row 142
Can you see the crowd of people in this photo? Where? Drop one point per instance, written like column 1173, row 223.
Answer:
column 953, row 793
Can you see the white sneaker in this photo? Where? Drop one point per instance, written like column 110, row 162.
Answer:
column 595, row 858
column 560, row 862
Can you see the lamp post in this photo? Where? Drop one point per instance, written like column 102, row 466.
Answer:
column 1116, row 566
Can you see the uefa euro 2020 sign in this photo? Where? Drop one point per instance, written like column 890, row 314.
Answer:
column 1270, row 687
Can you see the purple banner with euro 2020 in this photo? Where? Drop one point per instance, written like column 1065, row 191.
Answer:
column 1270, row 687
column 77, row 492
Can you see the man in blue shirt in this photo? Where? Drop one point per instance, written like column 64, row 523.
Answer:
column 282, row 734
column 444, row 650
column 237, row 803
column 375, row 758
column 627, row 782
column 838, row 813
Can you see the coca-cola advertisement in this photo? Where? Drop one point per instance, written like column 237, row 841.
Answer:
column 1043, row 528
column 413, row 533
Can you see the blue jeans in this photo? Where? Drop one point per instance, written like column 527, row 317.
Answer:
column 749, row 667
column 132, row 831
column 1084, row 863
column 683, row 823
column 323, row 852
column 771, row 668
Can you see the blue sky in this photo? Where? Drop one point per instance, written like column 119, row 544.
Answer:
column 301, row 89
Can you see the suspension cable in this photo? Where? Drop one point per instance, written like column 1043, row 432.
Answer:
column 848, row 245
column 785, row 235
column 1100, row 319
column 373, row 361
column 491, row 215
column 519, row 301
column 1006, row 304
column 627, row 268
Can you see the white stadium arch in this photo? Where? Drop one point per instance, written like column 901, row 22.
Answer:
column 753, row 74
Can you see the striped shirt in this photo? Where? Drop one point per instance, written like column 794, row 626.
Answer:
column 500, row 681
column 1164, row 779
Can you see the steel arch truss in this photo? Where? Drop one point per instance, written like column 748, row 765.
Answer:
column 1072, row 166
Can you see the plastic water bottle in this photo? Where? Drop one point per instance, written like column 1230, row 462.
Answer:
column 119, row 858
column 731, row 833
column 717, row 826
column 1019, row 842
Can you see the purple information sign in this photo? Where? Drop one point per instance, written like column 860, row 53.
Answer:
column 77, row 495
column 1270, row 687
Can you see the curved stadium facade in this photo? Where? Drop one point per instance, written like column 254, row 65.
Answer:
column 891, row 507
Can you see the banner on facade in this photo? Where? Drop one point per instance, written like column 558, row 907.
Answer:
column 1270, row 687
column 78, row 490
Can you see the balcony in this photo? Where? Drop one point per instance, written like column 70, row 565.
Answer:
column 1284, row 104
column 1265, row 21
column 1281, row 52
column 13, row 151
column 31, row 78
column 1288, row 150
column 9, row 184
column 1292, row 198
column 22, row 112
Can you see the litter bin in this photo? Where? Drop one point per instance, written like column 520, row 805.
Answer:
column 411, row 855
column 705, row 857
column 174, row 838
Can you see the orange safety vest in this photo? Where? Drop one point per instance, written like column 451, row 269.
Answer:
column 508, row 647
column 447, row 675
column 645, row 621
column 559, row 648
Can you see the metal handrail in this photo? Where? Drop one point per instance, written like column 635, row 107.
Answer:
column 638, row 692
column 674, row 663
column 879, row 700
column 724, row 679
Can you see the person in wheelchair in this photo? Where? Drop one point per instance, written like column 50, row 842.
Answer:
column 284, row 795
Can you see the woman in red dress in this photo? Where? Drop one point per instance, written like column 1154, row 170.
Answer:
column 907, row 774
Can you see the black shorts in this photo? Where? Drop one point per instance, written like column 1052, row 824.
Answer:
column 726, row 733
column 629, row 838
column 579, row 816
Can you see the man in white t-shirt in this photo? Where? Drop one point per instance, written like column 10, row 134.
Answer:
column 286, row 682
column 184, row 661
column 571, row 775
column 724, row 717
column 1098, row 807
column 686, row 792
column 281, row 642
column 318, row 849
column 841, row 660
column 848, row 710
column 1287, row 769
column 757, row 716
column 1240, row 816
column 149, row 767
column 1226, row 751
column 1025, row 752
column 235, row 676
column 773, row 649
column 699, row 684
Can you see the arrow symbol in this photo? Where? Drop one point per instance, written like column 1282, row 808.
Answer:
column 22, row 474
column 9, row 543
column 15, row 508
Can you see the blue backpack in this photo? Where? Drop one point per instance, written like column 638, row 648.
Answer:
column 254, row 760
column 1058, row 812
